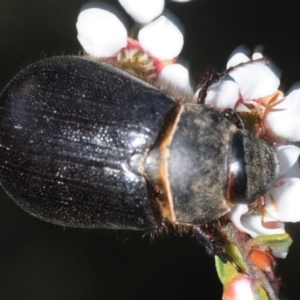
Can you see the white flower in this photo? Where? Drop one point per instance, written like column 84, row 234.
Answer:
column 288, row 156
column 162, row 39
column 243, row 84
column 283, row 202
column 285, row 120
column 253, row 223
column 143, row 11
column 257, row 55
column 237, row 58
column 100, row 32
column 256, row 79
column 176, row 78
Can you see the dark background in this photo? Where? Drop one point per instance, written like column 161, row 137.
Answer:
column 43, row 261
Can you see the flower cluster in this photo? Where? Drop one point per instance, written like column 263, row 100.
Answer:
column 159, row 42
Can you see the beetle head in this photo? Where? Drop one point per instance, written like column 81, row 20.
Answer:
column 253, row 168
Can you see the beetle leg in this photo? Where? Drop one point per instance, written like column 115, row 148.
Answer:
column 216, row 77
column 213, row 78
column 214, row 246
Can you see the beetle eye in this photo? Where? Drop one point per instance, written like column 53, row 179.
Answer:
column 253, row 168
column 237, row 179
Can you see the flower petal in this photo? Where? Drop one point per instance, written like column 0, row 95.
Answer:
column 257, row 55
column 294, row 171
column 283, row 203
column 100, row 32
column 242, row 108
column 285, row 121
column 256, row 80
column 258, row 224
column 239, row 288
column 143, row 11
column 235, row 216
column 162, row 39
column 288, row 155
column 176, row 77
column 252, row 223
column 281, row 254
column 224, row 94
column 237, row 59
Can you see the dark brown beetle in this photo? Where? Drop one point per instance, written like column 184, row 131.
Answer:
column 85, row 144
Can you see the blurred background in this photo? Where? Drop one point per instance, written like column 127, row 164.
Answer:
column 43, row 261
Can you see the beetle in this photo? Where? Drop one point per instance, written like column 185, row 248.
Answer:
column 85, row 144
